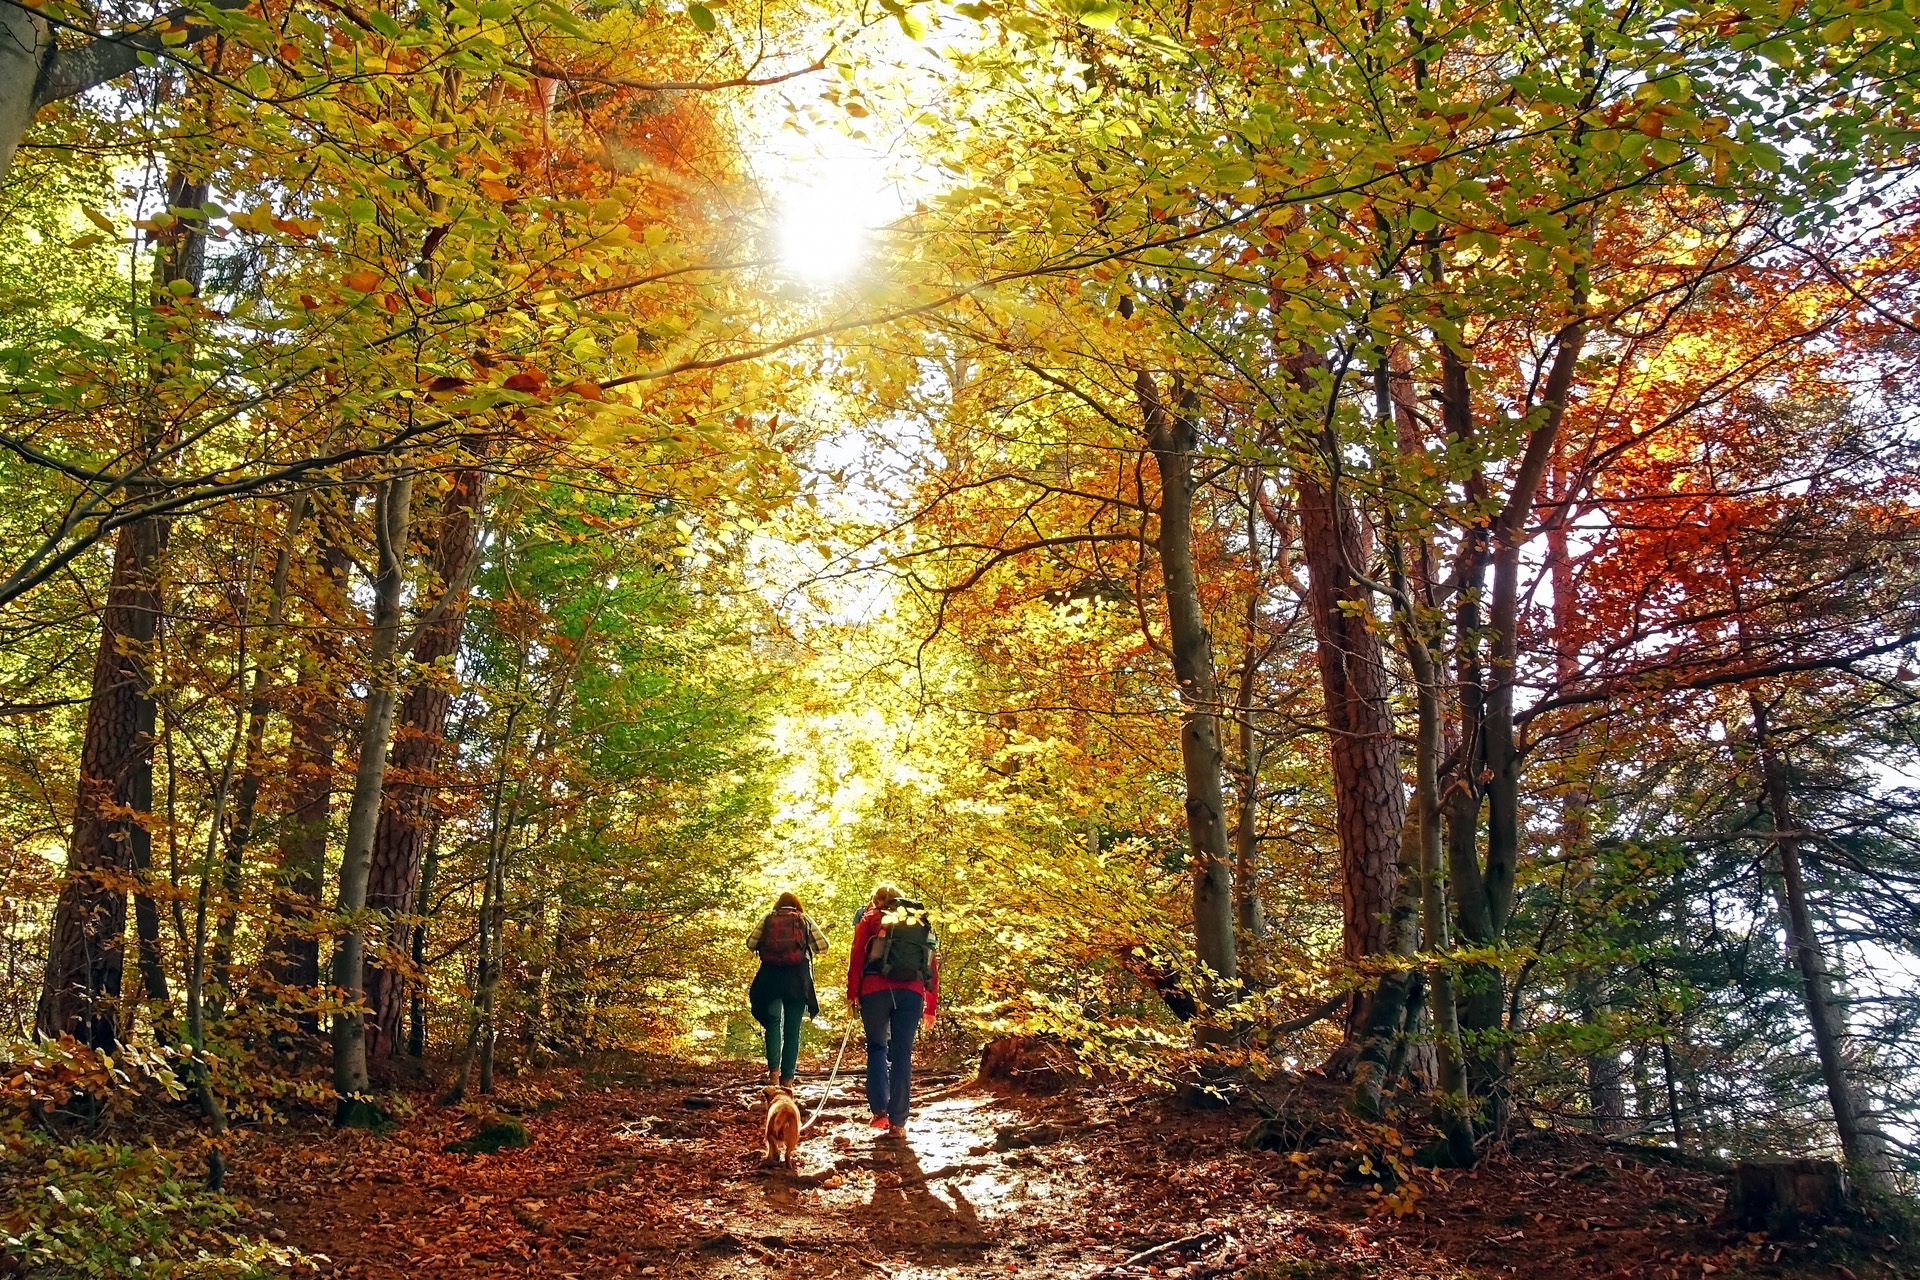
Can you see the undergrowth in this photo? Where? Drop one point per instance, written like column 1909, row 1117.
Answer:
column 80, row 1199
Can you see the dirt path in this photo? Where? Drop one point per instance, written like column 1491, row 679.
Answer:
column 653, row 1169
column 633, row 1173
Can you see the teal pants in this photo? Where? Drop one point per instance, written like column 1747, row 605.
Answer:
column 783, row 1035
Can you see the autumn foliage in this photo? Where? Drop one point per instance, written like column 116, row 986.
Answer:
column 1378, row 539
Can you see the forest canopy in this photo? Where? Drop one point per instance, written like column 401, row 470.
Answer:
column 1369, row 536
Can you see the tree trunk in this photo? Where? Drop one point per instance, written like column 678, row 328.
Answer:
column 1369, row 793
column 110, row 825
column 418, row 738
column 1249, row 914
column 417, row 995
column 26, row 42
column 1453, row 1116
column 1381, row 1044
column 293, row 952
column 1483, row 894
column 1370, row 803
column 391, row 518
column 1606, row 1096
column 111, row 835
column 247, row 795
column 1171, row 437
column 1503, row 625
column 1860, row 1142
column 1479, row 991
column 485, row 966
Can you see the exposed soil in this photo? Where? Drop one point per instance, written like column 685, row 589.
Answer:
column 653, row 1168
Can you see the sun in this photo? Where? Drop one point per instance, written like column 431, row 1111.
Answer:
column 825, row 229
column 830, row 199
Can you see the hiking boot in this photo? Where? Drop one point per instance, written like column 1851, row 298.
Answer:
column 881, row 1124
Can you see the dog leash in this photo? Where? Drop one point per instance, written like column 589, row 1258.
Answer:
column 827, row 1093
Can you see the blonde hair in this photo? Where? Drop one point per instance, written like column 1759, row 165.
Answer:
column 885, row 895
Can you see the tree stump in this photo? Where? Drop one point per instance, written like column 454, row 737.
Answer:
column 1785, row 1196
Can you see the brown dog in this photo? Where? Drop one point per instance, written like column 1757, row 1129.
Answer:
column 783, row 1125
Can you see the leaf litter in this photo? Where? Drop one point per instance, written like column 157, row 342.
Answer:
column 647, row 1166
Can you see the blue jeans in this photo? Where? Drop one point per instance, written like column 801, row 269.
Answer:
column 890, row 1019
column 783, row 1035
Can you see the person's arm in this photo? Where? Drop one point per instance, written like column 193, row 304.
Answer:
column 817, row 935
column 753, row 939
column 856, row 956
column 933, row 988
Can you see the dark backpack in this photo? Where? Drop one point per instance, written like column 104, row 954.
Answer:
column 903, row 949
column 783, row 939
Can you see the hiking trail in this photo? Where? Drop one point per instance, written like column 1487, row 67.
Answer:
column 651, row 1167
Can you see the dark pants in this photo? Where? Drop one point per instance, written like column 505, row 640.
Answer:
column 890, row 1018
column 783, row 1036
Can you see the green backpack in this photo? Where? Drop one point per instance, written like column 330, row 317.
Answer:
column 903, row 949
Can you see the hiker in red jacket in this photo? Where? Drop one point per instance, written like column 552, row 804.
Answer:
column 782, row 992
column 893, row 978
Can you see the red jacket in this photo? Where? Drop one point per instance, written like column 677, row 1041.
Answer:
column 859, row 983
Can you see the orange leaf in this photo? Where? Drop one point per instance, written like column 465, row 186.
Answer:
column 363, row 281
column 586, row 390
column 498, row 190
column 528, row 380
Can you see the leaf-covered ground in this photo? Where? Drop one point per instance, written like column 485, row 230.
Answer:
column 652, row 1168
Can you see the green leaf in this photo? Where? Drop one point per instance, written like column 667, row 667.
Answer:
column 912, row 23
column 383, row 24
column 702, row 17
column 1422, row 219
